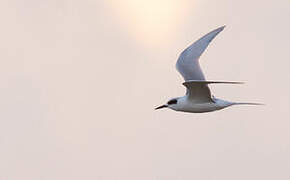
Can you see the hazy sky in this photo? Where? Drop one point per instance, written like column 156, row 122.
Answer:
column 80, row 80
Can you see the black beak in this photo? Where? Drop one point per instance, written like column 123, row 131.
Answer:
column 160, row 107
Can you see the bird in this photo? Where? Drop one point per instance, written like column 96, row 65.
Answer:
column 198, row 97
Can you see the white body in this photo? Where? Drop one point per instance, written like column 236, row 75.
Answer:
column 185, row 104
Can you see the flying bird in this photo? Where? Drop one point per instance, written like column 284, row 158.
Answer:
column 198, row 97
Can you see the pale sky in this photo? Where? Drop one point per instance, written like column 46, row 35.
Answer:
column 80, row 81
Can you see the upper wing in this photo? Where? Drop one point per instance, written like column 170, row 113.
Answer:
column 188, row 64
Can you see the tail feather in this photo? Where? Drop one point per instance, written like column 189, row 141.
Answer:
column 246, row 103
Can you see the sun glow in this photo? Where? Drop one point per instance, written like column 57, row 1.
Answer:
column 150, row 21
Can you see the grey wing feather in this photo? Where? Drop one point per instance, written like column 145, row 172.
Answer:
column 188, row 64
column 198, row 91
column 210, row 82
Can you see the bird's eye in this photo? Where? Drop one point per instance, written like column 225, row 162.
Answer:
column 173, row 101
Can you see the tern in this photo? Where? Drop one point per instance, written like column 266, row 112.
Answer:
column 198, row 97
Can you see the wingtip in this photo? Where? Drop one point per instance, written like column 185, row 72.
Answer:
column 239, row 82
column 222, row 27
column 218, row 30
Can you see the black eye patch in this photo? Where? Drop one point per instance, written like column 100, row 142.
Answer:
column 173, row 101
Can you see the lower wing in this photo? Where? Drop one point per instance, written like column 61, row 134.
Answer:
column 192, row 82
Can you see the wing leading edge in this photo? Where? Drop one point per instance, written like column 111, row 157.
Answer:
column 188, row 64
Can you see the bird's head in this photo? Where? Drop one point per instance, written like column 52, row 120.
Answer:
column 172, row 104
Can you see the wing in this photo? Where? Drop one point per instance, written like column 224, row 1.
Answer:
column 199, row 91
column 188, row 61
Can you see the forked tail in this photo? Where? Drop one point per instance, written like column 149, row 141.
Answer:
column 246, row 103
